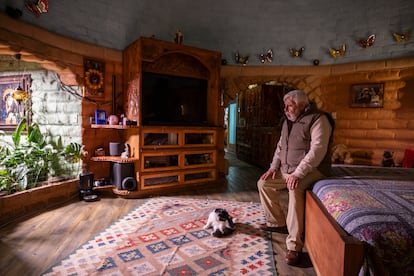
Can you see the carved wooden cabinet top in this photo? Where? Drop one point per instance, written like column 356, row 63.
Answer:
column 154, row 50
column 156, row 56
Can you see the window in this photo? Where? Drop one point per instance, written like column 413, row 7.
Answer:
column 13, row 108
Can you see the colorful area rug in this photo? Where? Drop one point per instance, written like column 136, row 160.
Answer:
column 165, row 236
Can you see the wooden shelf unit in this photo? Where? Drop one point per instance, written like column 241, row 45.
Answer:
column 169, row 157
column 112, row 126
column 113, row 159
column 173, row 156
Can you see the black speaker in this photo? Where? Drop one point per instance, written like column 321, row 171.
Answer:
column 123, row 176
column 86, row 191
column 86, row 181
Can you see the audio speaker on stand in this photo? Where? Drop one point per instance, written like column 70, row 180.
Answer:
column 123, row 176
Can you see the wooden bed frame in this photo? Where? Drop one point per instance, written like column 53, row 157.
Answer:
column 331, row 249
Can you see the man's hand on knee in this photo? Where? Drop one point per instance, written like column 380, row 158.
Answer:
column 292, row 182
column 270, row 173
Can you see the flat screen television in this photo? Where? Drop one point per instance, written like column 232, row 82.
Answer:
column 173, row 100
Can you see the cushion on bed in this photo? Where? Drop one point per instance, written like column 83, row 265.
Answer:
column 408, row 160
column 361, row 157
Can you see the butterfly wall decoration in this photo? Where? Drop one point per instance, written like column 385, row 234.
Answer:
column 266, row 57
column 296, row 53
column 365, row 43
column 401, row 37
column 337, row 52
column 241, row 59
column 37, row 7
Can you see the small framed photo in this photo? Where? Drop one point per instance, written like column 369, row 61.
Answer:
column 100, row 117
column 367, row 95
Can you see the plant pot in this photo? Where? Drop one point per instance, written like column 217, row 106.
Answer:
column 35, row 199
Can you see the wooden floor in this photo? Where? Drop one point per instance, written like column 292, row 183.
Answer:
column 32, row 244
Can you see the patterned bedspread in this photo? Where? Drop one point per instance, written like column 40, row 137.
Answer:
column 375, row 205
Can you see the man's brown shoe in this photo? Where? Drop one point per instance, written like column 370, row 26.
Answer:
column 281, row 229
column 293, row 257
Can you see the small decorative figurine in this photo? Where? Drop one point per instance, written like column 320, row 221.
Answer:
column 179, row 37
column 296, row 53
column 267, row 57
column 113, row 120
column 125, row 153
column 241, row 59
column 402, row 37
column 365, row 43
column 388, row 160
column 84, row 158
column 337, row 52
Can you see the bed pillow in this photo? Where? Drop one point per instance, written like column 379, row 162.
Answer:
column 408, row 160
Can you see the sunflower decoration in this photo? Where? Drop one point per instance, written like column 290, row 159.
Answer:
column 94, row 78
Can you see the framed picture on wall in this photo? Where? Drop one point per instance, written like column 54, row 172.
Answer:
column 367, row 95
column 14, row 104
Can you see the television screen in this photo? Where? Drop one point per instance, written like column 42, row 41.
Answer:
column 173, row 100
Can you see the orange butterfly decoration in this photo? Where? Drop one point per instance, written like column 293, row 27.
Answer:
column 402, row 37
column 337, row 52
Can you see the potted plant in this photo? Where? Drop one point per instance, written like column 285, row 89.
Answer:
column 24, row 164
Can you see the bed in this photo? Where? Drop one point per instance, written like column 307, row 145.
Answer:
column 361, row 221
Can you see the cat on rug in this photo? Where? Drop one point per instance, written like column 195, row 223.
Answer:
column 221, row 222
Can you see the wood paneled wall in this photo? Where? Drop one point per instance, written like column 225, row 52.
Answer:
column 368, row 129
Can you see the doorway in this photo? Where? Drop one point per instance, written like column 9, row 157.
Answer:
column 231, row 123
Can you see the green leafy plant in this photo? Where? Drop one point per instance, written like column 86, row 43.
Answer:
column 23, row 164
column 72, row 154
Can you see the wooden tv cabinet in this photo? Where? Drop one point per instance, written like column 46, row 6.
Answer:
column 168, row 157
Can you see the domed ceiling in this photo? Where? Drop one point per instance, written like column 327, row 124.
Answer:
column 297, row 32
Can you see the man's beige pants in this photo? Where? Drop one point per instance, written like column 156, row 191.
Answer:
column 269, row 192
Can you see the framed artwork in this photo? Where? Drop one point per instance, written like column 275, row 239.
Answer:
column 100, row 117
column 367, row 95
column 94, row 77
column 12, row 105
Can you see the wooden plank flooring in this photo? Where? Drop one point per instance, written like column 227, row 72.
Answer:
column 31, row 244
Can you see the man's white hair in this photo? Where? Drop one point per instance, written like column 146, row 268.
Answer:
column 298, row 96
